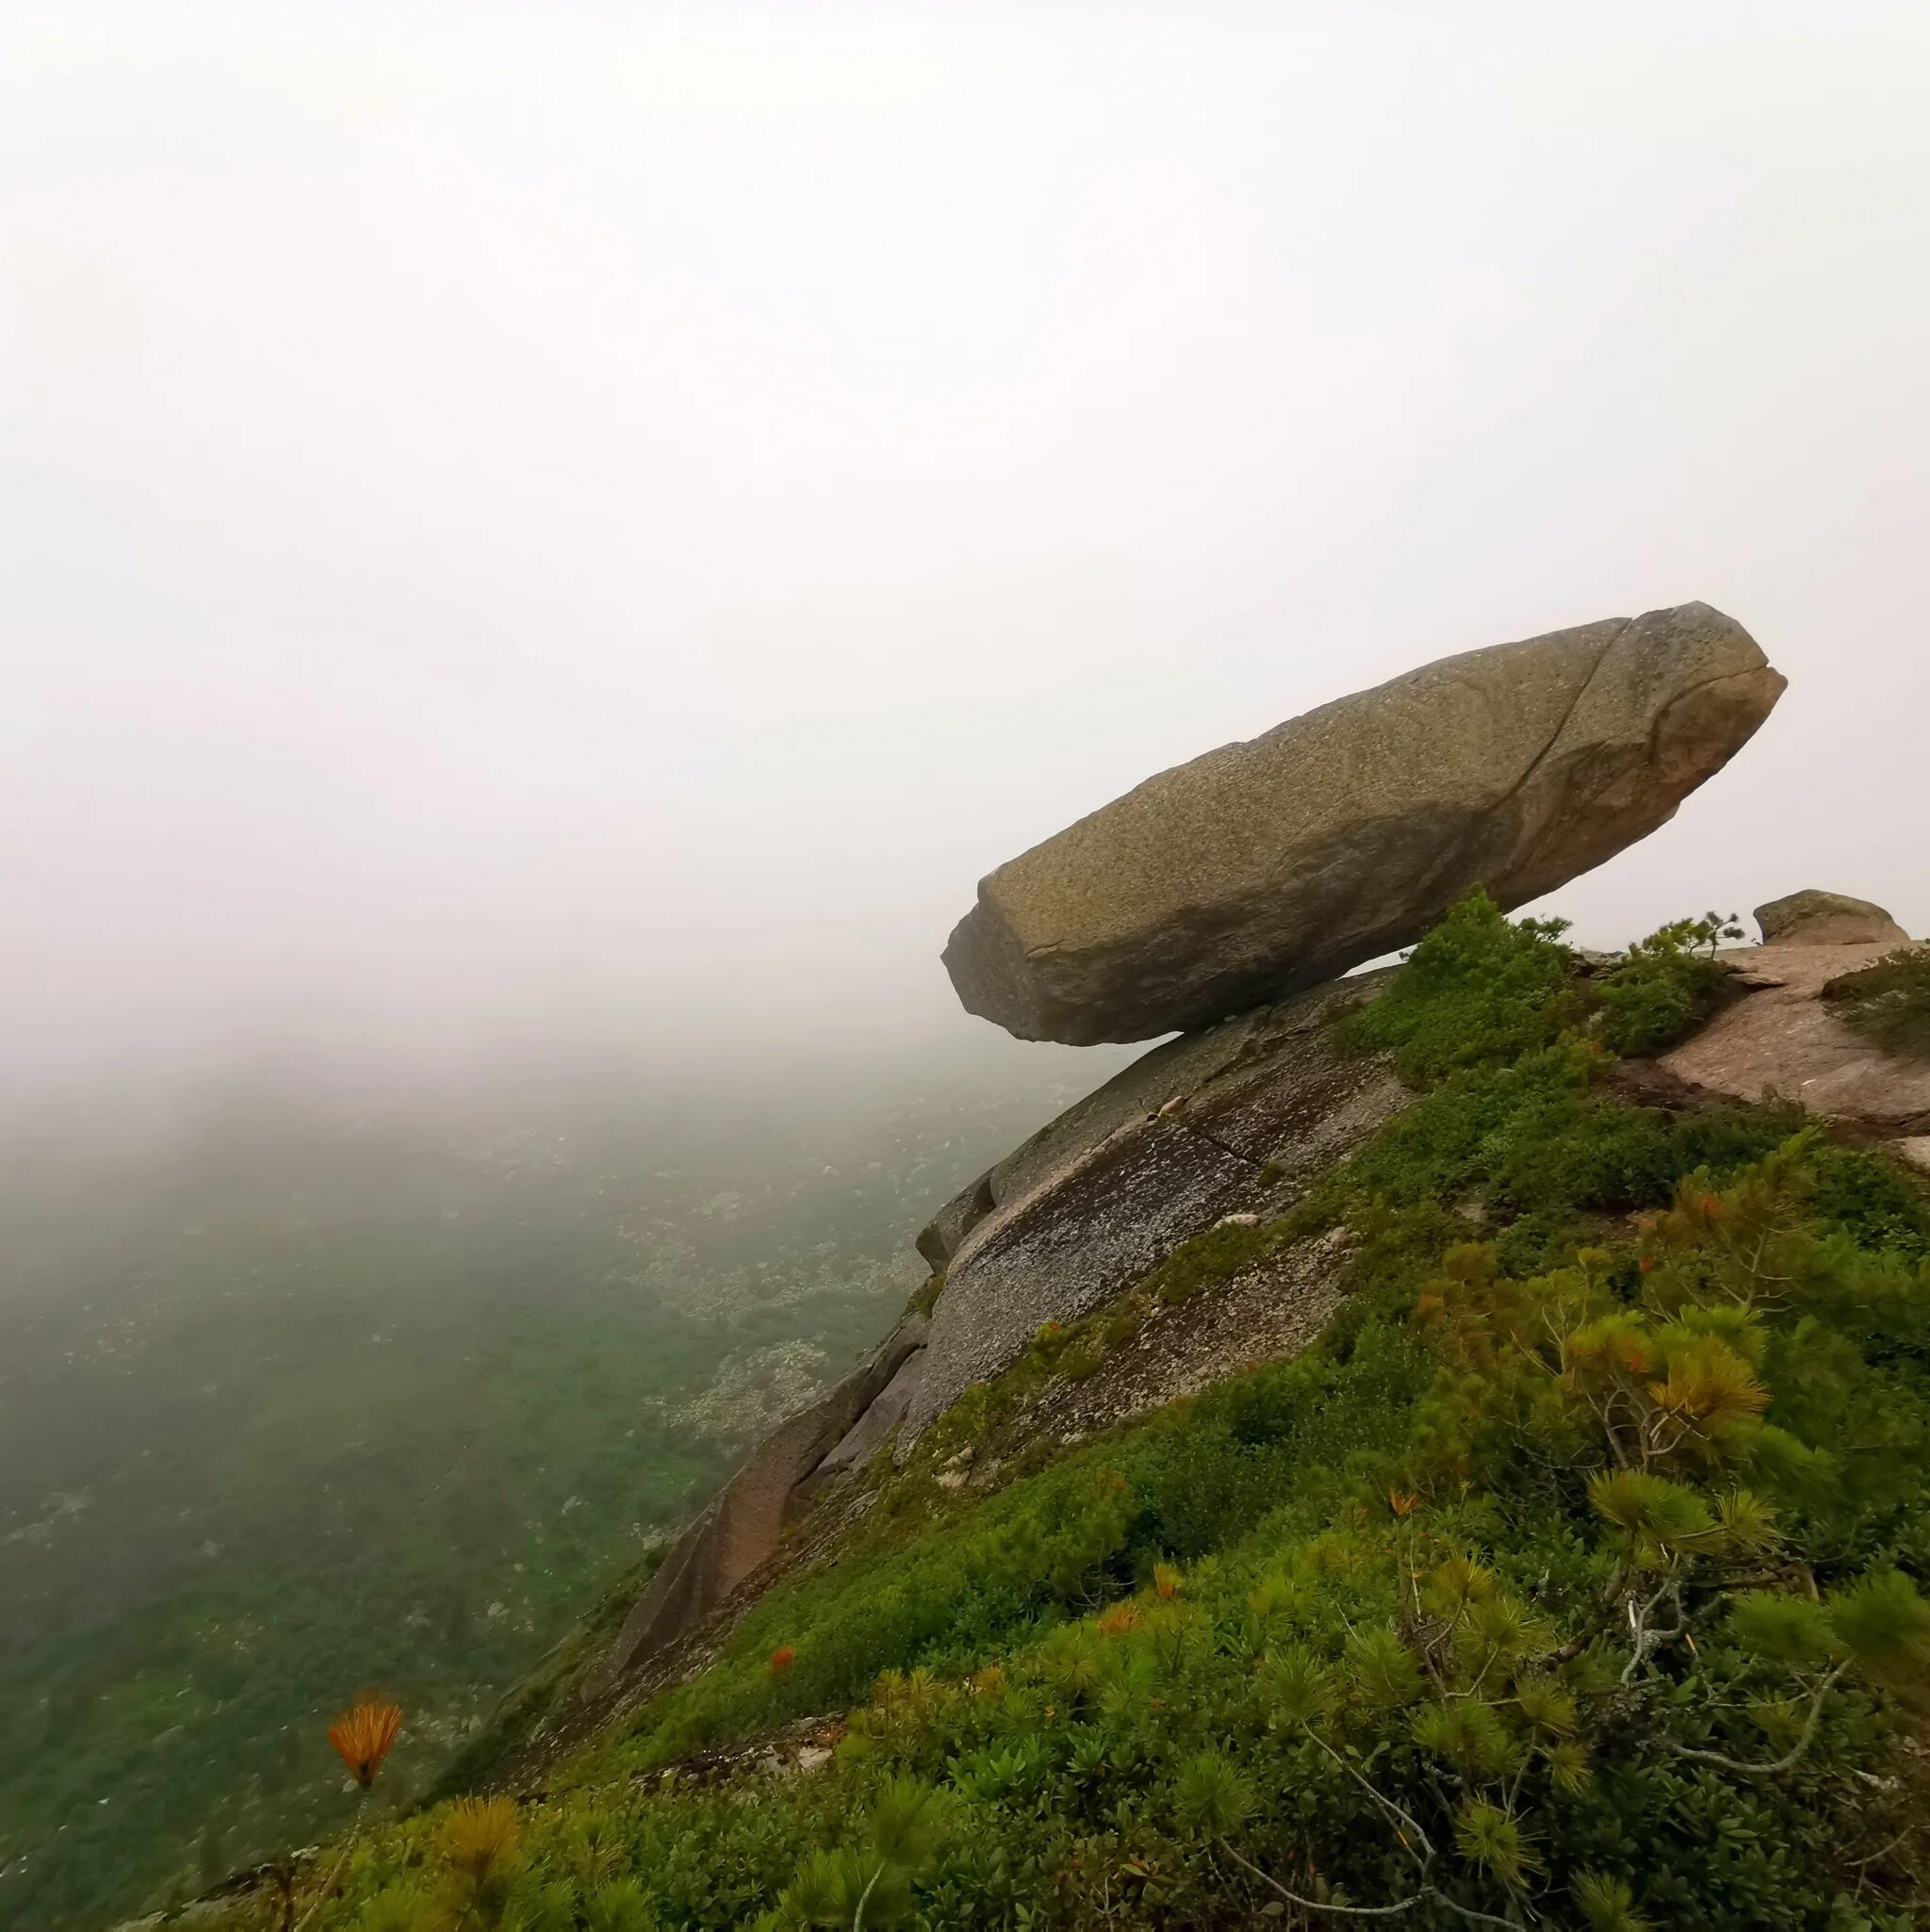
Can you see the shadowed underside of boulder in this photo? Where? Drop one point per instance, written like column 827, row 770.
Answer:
column 1282, row 861
column 1240, row 1116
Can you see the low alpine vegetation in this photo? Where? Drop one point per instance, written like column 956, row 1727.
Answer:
column 1889, row 1002
column 1480, row 990
column 1575, row 1578
column 1664, row 986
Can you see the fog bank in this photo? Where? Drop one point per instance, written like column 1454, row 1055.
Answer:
column 582, row 534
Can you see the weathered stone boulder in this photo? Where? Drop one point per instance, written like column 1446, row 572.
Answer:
column 1240, row 1117
column 1827, row 919
column 873, row 1430
column 1282, row 861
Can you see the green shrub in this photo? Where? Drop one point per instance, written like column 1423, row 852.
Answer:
column 1479, row 989
column 1215, row 1255
column 1575, row 1576
column 1536, row 1603
column 1889, row 1002
column 1664, row 986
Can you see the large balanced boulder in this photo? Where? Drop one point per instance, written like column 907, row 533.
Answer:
column 1280, row 862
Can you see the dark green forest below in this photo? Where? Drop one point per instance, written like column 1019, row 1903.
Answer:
column 311, row 1399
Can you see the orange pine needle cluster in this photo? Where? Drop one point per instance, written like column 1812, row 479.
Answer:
column 362, row 1737
column 989, row 1682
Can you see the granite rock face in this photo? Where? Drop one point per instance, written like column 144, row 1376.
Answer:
column 741, row 1529
column 1239, row 1118
column 939, row 1239
column 1827, row 919
column 1784, row 1041
column 1282, row 861
column 873, row 1428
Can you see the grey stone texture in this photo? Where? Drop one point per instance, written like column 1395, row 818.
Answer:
column 1814, row 918
column 1243, row 1115
column 1282, row 861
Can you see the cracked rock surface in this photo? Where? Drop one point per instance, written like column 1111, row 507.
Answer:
column 1783, row 1040
column 1284, row 860
column 1273, row 1309
column 1238, row 1119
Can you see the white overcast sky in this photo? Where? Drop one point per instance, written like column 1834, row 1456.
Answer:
column 603, row 521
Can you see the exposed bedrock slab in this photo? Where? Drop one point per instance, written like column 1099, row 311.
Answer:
column 1176, row 1068
column 1284, row 860
column 939, row 1239
column 873, row 1428
column 1243, row 1115
column 1782, row 1041
column 1273, row 1309
column 1827, row 919
column 741, row 1529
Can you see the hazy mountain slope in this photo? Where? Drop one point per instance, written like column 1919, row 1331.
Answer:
column 308, row 1397
column 1576, row 1574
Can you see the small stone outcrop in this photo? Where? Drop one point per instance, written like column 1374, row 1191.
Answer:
column 1827, row 919
column 740, row 1531
column 937, row 1240
column 1220, row 1123
column 874, row 1428
column 1280, row 862
column 1782, row 1041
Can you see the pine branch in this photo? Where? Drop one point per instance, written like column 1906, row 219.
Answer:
column 1406, row 1904
column 1790, row 1758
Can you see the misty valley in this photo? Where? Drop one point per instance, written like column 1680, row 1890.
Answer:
column 306, row 1395
column 964, row 969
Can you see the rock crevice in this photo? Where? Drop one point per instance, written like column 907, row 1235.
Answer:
column 1237, row 1119
column 741, row 1530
